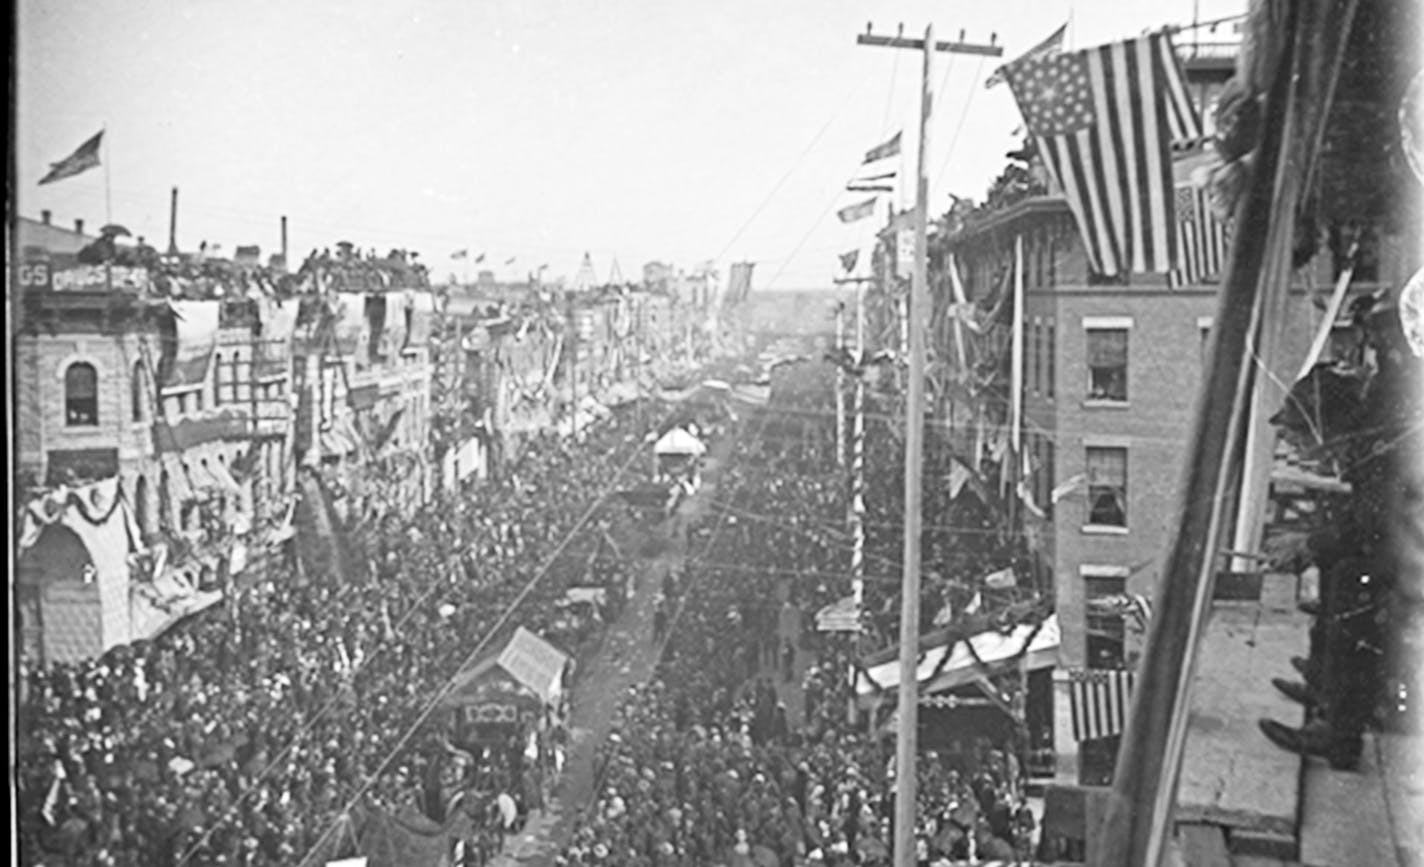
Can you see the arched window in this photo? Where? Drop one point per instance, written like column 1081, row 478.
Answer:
column 81, row 395
column 219, row 379
column 165, row 501
column 140, row 505
column 136, row 391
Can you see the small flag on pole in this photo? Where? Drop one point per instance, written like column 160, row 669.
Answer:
column 849, row 259
column 83, row 159
column 1201, row 236
column 852, row 213
column 1068, row 486
column 1106, row 120
column 884, row 151
column 1052, row 45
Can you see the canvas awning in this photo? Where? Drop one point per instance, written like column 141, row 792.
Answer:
column 679, row 442
column 528, row 664
column 953, row 665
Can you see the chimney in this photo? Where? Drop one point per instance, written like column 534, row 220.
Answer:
column 284, row 238
column 173, row 223
column 78, row 227
column 45, row 217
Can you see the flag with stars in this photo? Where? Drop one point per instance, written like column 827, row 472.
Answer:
column 1106, row 121
column 1202, row 238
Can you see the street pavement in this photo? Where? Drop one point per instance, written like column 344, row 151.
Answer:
column 626, row 656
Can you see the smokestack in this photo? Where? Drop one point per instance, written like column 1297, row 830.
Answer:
column 284, row 239
column 173, row 224
column 78, row 227
column 45, row 217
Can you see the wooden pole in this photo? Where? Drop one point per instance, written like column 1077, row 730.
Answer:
column 905, row 744
column 918, row 306
column 1138, row 823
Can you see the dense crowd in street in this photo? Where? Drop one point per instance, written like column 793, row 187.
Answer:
column 239, row 740
column 705, row 766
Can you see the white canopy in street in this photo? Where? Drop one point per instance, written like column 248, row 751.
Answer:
column 960, row 668
column 679, row 442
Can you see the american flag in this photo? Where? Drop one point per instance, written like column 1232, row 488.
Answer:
column 1201, row 236
column 1106, row 120
column 1099, row 700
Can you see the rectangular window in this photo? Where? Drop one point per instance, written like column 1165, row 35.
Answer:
column 1107, row 364
column 1048, row 474
column 1050, row 357
column 1104, row 624
column 1037, row 356
column 1107, row 486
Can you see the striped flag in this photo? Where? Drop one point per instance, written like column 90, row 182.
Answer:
column 1106, row 120
column 842, row 616
column 84, row 158
column 1134, row 608
column 1201, row 236
column 884, row 151
column 1099, row 700
column 851, row 213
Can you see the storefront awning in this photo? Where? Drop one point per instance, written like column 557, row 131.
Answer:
column 953, row 665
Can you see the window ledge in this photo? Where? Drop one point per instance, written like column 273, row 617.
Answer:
column 1103, row 530
column 1105, row 403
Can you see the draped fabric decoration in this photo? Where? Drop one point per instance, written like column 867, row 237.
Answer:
column 1099, row 700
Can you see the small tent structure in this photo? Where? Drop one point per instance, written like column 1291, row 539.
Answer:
column 528, row 672
column 678, row 442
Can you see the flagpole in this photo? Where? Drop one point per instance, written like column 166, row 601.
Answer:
column 857, row 501
column 108, row 199
column 1016, row 365
column 840, row 387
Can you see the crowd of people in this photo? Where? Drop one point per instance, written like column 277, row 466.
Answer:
column 707, row 764
column 240, row 738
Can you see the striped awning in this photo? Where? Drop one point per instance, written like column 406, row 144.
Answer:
column 1100, row 699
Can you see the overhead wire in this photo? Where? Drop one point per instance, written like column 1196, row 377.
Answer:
column 436, row 583
column 494, row 630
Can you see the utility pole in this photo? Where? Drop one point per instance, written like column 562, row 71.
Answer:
column 905, row 747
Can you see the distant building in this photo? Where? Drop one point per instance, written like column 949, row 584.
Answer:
column 43, row 234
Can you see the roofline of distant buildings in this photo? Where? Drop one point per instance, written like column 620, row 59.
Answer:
column 1031, row 206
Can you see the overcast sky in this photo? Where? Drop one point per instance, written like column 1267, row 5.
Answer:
column 526, row 129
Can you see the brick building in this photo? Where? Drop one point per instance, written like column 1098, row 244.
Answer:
column 171, row 410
